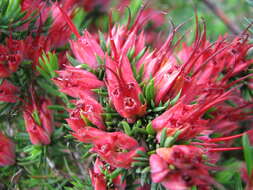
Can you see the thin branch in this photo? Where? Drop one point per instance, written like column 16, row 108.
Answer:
column 229, row 23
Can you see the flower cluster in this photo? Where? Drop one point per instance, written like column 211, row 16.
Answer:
column 192, row 84
column 152, row 118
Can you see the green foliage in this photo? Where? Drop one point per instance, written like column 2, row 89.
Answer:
column 248, row 154
column 48, row 64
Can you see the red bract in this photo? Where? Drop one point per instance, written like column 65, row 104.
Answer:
column 124, row 91
column 38, row 121
column 77, row 82
column 179, row 168
column 7, row 151
column 10, row 57
column 8, row 92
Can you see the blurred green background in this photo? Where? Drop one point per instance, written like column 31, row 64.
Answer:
column 236, row 11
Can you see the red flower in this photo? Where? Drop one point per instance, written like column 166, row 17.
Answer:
column 59, row 32
column 98, row 179
column 187, row 118
column 7, row 151
column 77, row 82
column 85, row 134
column 124, row 91
column 86, row 48
column 34, row 46
column 179, row 168
column 38, row 121
column 8, row 92
column 86, row 108
column 10, row 57
column 117, row 149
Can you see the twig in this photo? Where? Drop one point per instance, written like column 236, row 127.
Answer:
column 230, row 24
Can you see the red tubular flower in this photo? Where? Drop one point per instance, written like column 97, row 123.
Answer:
column 38, row 121
column 7, row 151
column 98, row 178
column 124, row 91
column 179, row 168
column 77, row 82
column 8, row 92
column 90, row 109
column 86, row 48
column 10, row 57
column 117, row 149
column 187, row 118
column 59, row 32
column 179, row 117
column 34, row 46
column 86, row 134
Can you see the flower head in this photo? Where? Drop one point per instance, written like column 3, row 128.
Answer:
column 124, row 91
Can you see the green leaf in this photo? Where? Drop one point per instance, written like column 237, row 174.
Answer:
column 150, row 129
column 134, row 7
column 102, row 41
column 175, row 99
column 150, row 90
column 248, row 154
column 73, row 60
column 172, row 139
column 116, row 172
column 48, row 64
column 49, row 88
column 140, row 54
column 130, row 53
column 99, row 60
column 163, row 137
column 126, row 127
column 141, row 153
column 238, row 182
